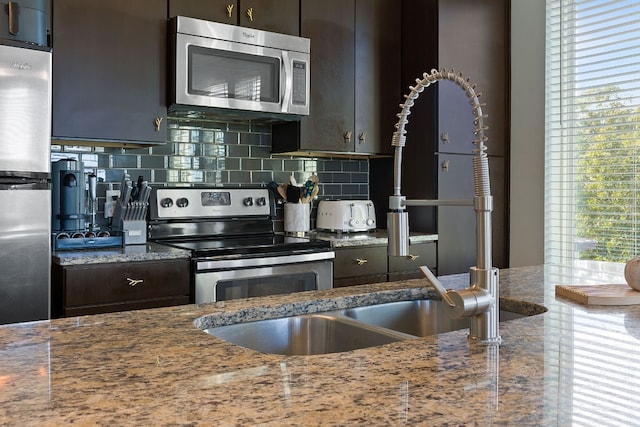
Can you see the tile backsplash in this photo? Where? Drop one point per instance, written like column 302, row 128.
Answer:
column 222, row 154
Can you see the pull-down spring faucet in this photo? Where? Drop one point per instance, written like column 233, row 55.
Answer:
column 480, row 301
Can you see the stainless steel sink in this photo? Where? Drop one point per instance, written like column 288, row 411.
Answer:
column 305, row 335
column 345, row 330
column 419, row 318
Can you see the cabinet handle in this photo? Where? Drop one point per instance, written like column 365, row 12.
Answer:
column 347, row 136
column 412, row 257
column 133, row 282
column 157, row 122
column 13, row 9
column 363, row 137
column 361, row 261
column 445, row 137
column 229, row 10
column 250, row 14
column 445, row 166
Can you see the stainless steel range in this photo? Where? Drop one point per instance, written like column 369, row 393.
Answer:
column 235, row 251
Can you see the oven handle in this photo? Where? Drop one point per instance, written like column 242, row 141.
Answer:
column 264, row 261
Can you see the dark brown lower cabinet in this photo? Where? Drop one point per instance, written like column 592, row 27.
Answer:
column 360, row 265
column 102, row 288
column 405, row 268
column 370, row 264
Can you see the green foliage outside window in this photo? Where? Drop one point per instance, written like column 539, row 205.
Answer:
column 608, row 176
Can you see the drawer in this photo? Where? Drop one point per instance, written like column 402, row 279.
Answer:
column 125, row 283
column 360, row 261
column 421, row 254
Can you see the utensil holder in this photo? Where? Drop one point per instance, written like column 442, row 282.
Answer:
column 297, row 217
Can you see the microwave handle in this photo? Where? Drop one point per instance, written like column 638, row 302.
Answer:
column 287, row 83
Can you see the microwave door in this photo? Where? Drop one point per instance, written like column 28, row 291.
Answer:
column 222, row 74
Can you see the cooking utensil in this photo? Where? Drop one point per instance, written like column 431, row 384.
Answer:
column 275, row 189
column 282, row 191
column 308, row 188
column 293, row 194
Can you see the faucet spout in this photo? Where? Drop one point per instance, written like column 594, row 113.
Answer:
column 481, row 300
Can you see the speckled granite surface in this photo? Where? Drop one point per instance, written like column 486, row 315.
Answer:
column 573, row 365
column 146, row 252
column 378, row 237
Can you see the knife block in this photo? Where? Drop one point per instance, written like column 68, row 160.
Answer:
column 134, row 232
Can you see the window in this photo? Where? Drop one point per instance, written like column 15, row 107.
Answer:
column 592, row 176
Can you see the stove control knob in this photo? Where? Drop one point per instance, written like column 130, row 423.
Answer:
column 262, row 201
column 166, row 202
column 182, row 202
column 248, row 201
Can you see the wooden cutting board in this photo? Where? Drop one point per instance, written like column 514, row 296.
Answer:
column 611, row 294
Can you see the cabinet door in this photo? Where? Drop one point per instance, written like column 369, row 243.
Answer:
column 225, row 11
column 480, row 52
column 420, row 254
column 455, row 120
column 330, row 124
column 279, row 16
column 377, row 78
column 109, row 70
column 457, row 224
column 114, row 287
column 360, row 265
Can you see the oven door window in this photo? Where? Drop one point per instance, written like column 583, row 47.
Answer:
column 262, row 286
column 233, row 75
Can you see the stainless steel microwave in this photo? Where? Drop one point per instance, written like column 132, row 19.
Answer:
column 235, row 68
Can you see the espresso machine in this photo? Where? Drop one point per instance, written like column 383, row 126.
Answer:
column 73, row 220
column 67, row 198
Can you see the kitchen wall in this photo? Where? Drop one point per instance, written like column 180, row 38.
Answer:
column 527, row 133
column 206, row 152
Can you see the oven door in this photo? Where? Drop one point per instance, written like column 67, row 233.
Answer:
column 221, row 280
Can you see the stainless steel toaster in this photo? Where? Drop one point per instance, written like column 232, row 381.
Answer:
column 346, row 215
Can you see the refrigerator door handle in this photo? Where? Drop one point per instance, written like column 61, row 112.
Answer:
column 14, row 18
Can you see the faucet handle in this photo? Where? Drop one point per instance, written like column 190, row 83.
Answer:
column 436, row 284
column 463, row 303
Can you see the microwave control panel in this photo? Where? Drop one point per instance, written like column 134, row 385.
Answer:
column 299, row 96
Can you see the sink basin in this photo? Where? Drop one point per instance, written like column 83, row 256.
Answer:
column 345, row 330
column 419, row 318
column 305, row 335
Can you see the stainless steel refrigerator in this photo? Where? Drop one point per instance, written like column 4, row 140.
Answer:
column 25, row 195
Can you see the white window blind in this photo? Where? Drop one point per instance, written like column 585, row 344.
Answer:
column 592, row 164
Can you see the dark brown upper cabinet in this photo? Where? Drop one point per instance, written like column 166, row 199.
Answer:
column 279, row 16
column 355, row 79
column 109, row 70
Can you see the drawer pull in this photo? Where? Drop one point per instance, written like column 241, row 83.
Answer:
column 361, row 261
column 133, row 282
column 412, row 257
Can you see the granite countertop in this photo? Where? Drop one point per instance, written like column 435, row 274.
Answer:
column 155, row 251
column 147, row 252
column 374, row 238
column 571, row 365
